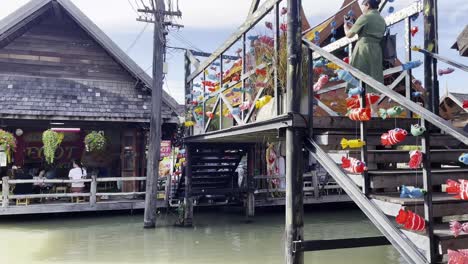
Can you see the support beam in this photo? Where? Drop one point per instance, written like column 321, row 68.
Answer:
column 250, row 199
column 253, row 7
column 5, row 191
column 155, row 122
column 294, row 139
column 188, row 203
column 318, row 245
column 430, row 44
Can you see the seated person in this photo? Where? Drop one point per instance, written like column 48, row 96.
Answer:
column 22, row 188
column 76, row 173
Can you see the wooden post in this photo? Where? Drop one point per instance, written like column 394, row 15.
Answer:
column 409, row 73
column 5, row 191
column 294, row 139
column 315, row 183
column 188, row 203
column 430, row 44
column 250, row 200
column 155, row 122
column 363, row 136
column 93, row 191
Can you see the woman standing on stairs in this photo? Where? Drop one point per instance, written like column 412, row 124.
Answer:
column 370, row 28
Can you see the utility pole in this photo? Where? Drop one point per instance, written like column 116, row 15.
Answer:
column 159, row 48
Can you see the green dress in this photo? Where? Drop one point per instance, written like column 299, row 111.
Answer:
column 367, row 54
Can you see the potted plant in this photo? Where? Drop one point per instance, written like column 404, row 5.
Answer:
column 95, row 141
column 51, row 141
column 7, row 143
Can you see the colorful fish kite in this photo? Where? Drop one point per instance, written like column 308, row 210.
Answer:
column 410, row 220
column 391, row 112
column 457, row 257
column 411, row 192
column 359, row 114
column 353, row 143
column 353, row 165
column 417, row 130
column 269, row 25
column 322, row 81
column 393, row 137
column 416, row 158
column 446, row 71
column 457, row 228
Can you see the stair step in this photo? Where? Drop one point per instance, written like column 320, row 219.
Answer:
column 395, row 178
column 203, row 173
column 402, row 156
column 215, row 161
column 443, row 204
column 196, row 166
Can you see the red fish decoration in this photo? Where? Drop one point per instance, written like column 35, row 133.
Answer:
column 414, row 31
column 346, row 60
column 208, row 83
column 269, row 41
column 211, row 89
column 458, row 257
column 353, row 165
column 210, row 115
column 322, row 81
column 195, row 103
column 353, row 101
column 393, row 137
column 410, row 220
column 457, row 228
column 446, row 71
column 235, row 78
column 318, row 70
column 284, row 27
column 261, row 72
column 465, row 104
column 460, row 188
column 360, row 114
column 269, row 25
column 416, row 158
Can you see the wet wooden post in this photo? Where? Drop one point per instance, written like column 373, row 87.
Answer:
column 188, row 203
column 5, row 191
column 155, row 120
column 294, row 139
column 250, row 200
column 93, row 191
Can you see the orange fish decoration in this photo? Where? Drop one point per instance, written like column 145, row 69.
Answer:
column 353, row 165
column 360, row 114
column 410, row 220
column 261, row 72
column 460, row 189
column 393, row 137
column 353, row 101
column 210, row 115
column 208, row 83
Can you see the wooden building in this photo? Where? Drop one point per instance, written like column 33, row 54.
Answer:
column 451, row 108
column 462, row 43
column 58, row 69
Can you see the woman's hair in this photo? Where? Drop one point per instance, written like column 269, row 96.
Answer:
column 78, row 163
column 373, row 4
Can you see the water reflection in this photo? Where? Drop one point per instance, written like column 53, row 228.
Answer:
column 218, row 237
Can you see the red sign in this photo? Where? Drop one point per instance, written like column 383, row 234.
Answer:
column 165, row 148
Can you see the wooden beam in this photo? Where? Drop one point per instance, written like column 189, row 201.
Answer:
column 253, row 7
column 318, row 245
column 229, row 106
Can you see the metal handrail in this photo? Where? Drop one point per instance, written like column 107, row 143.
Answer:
column 407, row 249
column 421, row 111
column 436, row 56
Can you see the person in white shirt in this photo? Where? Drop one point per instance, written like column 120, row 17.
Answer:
column 76, row 173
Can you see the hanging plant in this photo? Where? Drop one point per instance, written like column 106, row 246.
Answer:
column 8, row 143
column 95, row 141
column 51, row 141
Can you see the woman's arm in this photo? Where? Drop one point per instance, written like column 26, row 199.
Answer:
column 351, row 30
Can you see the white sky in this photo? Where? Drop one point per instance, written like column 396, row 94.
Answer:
column 209, row 22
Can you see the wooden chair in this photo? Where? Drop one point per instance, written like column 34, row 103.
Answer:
column 78, row 199
column 61, row 189
column 23, row 201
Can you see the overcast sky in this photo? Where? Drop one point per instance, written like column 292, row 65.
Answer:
column 208, row 23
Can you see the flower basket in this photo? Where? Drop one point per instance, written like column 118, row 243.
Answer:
column 95, row 141
column 51, row 141
column 8, row 143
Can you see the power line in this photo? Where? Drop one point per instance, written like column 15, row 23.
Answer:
column 133, row 8
column 185, row 41
column 137, row 38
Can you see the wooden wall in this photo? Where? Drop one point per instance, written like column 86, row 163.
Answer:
column 58, row 47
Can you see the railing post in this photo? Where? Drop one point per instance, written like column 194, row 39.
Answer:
column 188, row 203
column 431, row 45
column 250, row 201
column 294, row 138
column 363, row 132
column 409, row 73
column 244, row 70
column 278, row 95
column 220, row 89
column 5, row 191
column 93, row 191
column 427, row 185
column 310, row 90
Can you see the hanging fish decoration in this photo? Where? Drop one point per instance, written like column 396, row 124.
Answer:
column 352, row 143
column 212, row 77
column 284, row 27
column 213, row 68
column 216, row 63
column 318, row 71
column 353, row 165
column 347, row 77
column 231, row 93
column 391, row 9
column 411, row 65
column 333, row 66
column 262, row 101
column 252, row 37
column 284, row 11
column 391, row 112
column 410, row 220
column 355, row 91
column 416, row 82
column 414, row 31
column 446, row 71
column 332, row 39
column 269, row 41
column 417, row 130
column 393, row 137
column 319, row 63
column 235, row 111
column 460, row 189
column 261, row 72
column 416, row 94
column 269, row 25
column 236, row 90
column 235, row 78
column 208, row 83
column 354, row 102
column 346, row 60
column 245, row 105
column 194, row 103
column 322, row 81
column 189, row 123
column 226, row 113
column 360, row 114
column 457, row 228
column 210, row 114
column 465, row 104
column 235, row 100
column 457, row 257
column 463, row 158
column 416, row 158
column 411, row 192
column 212, row 89
column 260, row 84
column 198, row 85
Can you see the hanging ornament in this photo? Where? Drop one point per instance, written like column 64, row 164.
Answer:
column 416, row 158
column 269, row 25
column 410, row 220
column 417, row 130
column 414, row 31
column 210, row 115
column 346, row 60
column 189, row 123
column 262, row 101
column 353, row 165
column 359, row 114
column 318, row 70
column 284, row 27
column 391, row 9
column 355, row 91
column 391, row 112
column 245, row 105
column 322, row 81
column 411, row 192
column 463, row 158
column 261, row 72
column 411, row 65
column 446, row 71
column 393, row 137
column 460, row 189
column 284, row 11
column 333, row 39
column 352, row 143
column 456, row 228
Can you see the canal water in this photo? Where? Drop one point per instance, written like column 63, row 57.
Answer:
column 218, row 237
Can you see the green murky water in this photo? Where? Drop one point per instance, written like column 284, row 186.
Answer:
column 218, row 237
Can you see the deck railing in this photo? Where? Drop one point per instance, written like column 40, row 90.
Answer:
column 93, row 193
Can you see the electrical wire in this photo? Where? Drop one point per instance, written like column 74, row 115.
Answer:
column 137, row 38
column 187, row 41
column 133, row 8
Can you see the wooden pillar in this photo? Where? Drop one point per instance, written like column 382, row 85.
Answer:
column 188, row 202
column 250, row 199
column 408, row 57
column 5, row 191
column 155, row 120
column 431, row 45
column 294, row 139
column 93, row 190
